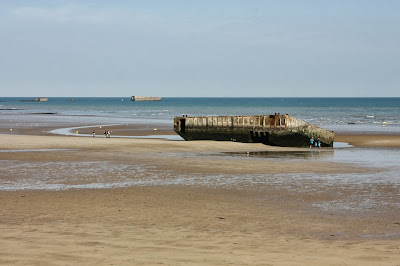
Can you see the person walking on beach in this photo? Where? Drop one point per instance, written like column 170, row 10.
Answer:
column 105, row 133
column 319, row 143
column 311, row 142
column 93, row 133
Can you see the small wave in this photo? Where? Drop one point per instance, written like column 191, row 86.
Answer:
column 370, row 116
column 8, row 109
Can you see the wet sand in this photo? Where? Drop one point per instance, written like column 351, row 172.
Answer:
column 264, row 223
column 372, row 140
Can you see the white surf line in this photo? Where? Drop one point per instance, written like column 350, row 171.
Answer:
column 69, row 132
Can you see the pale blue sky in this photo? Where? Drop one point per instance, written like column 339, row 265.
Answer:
column 200, row 48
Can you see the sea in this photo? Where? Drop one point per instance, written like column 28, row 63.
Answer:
column 366, row 115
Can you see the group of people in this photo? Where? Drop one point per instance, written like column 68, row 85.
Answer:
column 106, row 133
column 315, row 143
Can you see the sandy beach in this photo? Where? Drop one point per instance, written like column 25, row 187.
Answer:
column 188, row 203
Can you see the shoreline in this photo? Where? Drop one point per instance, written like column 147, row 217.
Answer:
column 357, row 139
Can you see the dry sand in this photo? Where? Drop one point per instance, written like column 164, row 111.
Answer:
column 267, row 224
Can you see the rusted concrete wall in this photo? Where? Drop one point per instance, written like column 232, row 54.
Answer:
column 282, row 130
column 236, row 122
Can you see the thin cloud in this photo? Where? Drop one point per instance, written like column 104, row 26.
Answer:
column 63, row 14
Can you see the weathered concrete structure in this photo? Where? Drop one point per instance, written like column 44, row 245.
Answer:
column 279, row 130
column 145, row 98
column 41, row 100
column 36, row 100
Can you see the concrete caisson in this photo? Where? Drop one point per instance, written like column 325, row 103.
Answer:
column 277, row 129
column 145, row 98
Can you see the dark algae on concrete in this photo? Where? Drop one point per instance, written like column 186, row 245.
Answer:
column 277, row 130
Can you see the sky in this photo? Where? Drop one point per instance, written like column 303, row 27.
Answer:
column 187, row 48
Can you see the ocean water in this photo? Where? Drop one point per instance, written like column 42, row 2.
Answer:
column 337, row 114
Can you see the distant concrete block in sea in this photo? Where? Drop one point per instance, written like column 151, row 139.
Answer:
column 145, row 98
column 41, row 100
column 36, row 100
column 277, row 129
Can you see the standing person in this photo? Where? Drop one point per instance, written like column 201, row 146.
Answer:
column 105, row 133
column 319, row 143
column 311, row 142
column 93, row 133
column 108, row 133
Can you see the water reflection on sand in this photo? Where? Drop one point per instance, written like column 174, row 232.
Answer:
column 375, row 189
